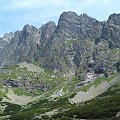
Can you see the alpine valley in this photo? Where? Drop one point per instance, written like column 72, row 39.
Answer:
column 68, row 71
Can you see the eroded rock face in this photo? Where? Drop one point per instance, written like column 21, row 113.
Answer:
column 8, row 36
column 21, row 47
column 46, row 32
column 24, row 45
column 114, row 19
column 72, row 26
column 2, row 43
column 77, row 45
column 111, row 33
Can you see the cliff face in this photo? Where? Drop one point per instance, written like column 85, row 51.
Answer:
column 78, row 45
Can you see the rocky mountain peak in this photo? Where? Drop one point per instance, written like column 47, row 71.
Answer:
column 67, row 17
column 48, row 27
column 84, row 14
column 70, row 25
column 30, row 33
column 46, row 31
column 68, row 14
column 2, row 43
column 49, row 24
column 114, row 19
column 8, row 36
column 29, row 28
column 74, row 42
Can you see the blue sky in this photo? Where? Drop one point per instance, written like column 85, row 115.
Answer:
column 14, row 14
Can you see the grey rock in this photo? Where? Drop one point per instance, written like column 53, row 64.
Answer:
column 46, row 32
column 111, row 33
column 8, row 37
column 2, row 43
column 114, row 19
column 78, row 44
column 118, row 114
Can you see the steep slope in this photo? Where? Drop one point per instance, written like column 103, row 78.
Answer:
column 2, row 43
column 24, row 44
column 105, row 106
column 78, row 45
column 8, row 36
column 80, row 42
column 66, row 40
column 44, row 70
column 46, row 32
column 20, row 47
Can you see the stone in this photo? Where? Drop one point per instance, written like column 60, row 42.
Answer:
column 77, row 42
column 118, row 114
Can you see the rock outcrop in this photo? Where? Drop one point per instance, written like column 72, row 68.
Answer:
column 77, row 45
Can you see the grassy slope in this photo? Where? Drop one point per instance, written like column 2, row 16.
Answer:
column 104, row 106
column 98, row 106
column 98, row 81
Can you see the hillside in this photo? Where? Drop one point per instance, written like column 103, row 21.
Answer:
column 62, row 72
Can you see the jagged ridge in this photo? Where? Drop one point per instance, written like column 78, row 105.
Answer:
column 78, row 45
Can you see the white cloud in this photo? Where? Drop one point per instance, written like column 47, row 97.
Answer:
column 106, row 2
column 37, row 4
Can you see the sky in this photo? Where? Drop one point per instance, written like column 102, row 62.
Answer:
column 14, row 14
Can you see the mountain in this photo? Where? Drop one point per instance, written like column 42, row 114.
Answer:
column 61, row 72
column 77, row 42
column 24, row 44
column 2, row 43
